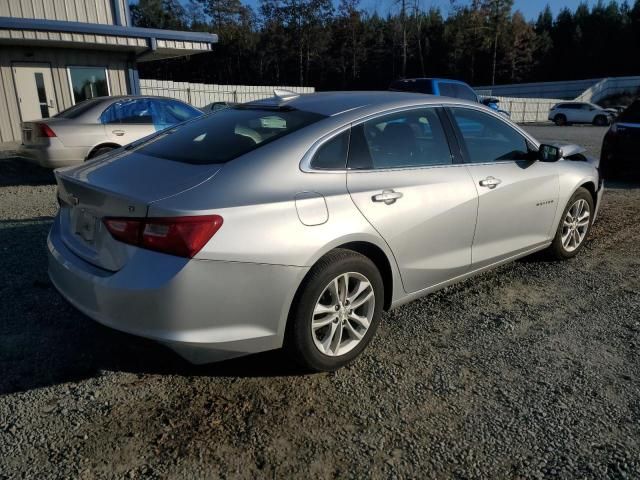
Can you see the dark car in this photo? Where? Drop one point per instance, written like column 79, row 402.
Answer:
column 620, row 157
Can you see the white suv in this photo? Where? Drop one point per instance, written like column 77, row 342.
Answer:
column 580, row 112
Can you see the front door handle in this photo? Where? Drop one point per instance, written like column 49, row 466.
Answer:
column 118, row 132
column 490, row 182
column 387, row 196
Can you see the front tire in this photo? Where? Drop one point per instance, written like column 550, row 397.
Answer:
column 560, row 120
column 574, row 227
column 336, row 311
column 600, row 121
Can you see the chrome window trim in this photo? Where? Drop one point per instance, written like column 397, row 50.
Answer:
column 305, row 163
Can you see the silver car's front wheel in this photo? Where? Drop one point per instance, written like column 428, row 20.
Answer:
column 336, row 311
column 575, row 225
column 343, row 314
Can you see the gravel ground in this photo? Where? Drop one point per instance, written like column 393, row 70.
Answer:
column 530, row 371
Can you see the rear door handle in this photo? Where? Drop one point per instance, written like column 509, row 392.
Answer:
column 118, row 132
column 490, row 182
column 387, row 196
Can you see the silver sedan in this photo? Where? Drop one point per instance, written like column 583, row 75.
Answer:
column 97, row 126
column 297, row 220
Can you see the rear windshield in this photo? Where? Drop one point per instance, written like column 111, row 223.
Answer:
column 227, row 134
column 631, row 114
column 78, row 109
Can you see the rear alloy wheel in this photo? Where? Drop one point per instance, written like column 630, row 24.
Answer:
column 600, row 121
column 560, row 120
column 336, row 311
column 574, row 225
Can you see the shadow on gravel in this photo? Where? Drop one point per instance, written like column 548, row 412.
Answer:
column 45, row 341
column 16, row 171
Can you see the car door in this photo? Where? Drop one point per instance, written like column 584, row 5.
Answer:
column 518, row 195
column 128, row 120
column 415, row 193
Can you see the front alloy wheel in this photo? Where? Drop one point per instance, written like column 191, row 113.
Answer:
column 574, row 225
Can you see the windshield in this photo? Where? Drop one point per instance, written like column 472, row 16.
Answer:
column 227, row 134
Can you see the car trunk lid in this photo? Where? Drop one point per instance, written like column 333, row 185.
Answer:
column 122, row 184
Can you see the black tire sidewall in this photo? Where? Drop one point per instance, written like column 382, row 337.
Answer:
column 556, row 246
column 299, row 339
column 560, row 120
column 99, row 151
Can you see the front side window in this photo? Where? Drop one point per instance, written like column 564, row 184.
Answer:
column 489, row 139
column 407, row 139
column 88, row 82
column 447, row 89
column 129, row 111
column 227, row 134
column 466, row 93
column 176, row 112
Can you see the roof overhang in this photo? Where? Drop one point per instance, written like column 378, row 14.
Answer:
column 146, row 43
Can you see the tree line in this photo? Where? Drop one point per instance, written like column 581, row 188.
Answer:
column 341, row 46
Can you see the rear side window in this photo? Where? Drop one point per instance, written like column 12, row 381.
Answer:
column 227, row 134
column 78, row 109
column 413, row 138
column 332, row 155
column 488, row 139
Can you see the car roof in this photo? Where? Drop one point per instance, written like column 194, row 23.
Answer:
column 432, row 79
column 335, row 103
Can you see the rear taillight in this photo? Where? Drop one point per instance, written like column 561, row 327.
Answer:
column 181, row 236
column 44, row 130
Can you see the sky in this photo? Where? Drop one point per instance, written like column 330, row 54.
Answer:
column 530, row 8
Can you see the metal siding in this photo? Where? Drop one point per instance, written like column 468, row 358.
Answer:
column 95, row 11
column 59, row 59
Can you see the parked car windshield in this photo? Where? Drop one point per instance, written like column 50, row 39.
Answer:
column 227, row 134
column 631, row 113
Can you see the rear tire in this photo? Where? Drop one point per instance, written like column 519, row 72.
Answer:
column 99, row 151
column 575, row 225
column 324, row 330
column 560, row 120
column 600, row 121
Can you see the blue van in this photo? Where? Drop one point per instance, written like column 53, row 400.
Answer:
column 436, row 86
column 446, row 88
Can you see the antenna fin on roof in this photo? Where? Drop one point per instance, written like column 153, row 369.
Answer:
column 284, row 94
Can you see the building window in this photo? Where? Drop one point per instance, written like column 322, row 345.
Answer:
column 88, row 82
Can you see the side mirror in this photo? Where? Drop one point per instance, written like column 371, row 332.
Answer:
column 549, row 153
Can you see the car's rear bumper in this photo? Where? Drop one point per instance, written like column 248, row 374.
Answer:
column 53, row 155
column 204, row 310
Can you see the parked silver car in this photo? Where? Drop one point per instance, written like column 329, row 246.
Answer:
column 97, row 126
column 581, row 112
column 297, row 220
